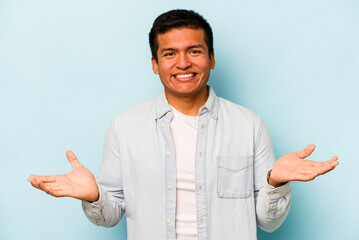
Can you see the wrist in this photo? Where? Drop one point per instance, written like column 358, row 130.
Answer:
column 94, row 199
column 271, row 181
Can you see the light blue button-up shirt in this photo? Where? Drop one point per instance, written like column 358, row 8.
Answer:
column 233, row 155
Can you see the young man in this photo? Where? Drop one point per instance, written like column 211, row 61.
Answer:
column 187, row 164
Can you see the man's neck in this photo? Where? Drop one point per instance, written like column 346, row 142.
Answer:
column 188, row 105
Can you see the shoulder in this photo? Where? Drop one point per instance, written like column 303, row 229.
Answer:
column 230, row 110
column 140, row 111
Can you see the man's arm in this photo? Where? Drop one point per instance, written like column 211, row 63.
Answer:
column 102, row 201
column 110, row 207
column 272, row 204
column 274, row 198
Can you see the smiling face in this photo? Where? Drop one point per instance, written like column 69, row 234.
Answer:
column 184, row 63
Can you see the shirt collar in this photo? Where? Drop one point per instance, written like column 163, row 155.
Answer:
column 211, row 106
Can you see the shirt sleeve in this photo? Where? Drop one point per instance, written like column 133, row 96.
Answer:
column 272, row 204
column 108, row 210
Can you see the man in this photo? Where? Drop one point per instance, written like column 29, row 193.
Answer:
column 187, row 164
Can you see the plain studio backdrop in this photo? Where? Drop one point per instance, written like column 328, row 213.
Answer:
column 66, row 67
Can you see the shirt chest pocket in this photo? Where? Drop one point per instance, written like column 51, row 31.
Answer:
column 235, row 177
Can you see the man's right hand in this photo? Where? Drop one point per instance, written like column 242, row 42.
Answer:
column 79, row 183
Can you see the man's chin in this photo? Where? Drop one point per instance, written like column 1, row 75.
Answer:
column 187, row 92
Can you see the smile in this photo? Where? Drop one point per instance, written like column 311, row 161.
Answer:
column 184, row 76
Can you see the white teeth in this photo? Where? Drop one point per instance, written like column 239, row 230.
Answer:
column 184, row 75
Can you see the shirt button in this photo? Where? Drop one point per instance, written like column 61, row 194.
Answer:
column 271, row 193
column 213, row 115
column 202, row 126
column 200, row 187
column 168, row 221
column 163, row 125
column 270, row 210
column 168, row 113
column 201, row 220
column 168, row 152
column 169, row 187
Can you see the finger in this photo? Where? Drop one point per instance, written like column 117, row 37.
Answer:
column 56, row 190
column 322, row 167
column 41, row 185
column 308, row 176
column 311, row 163
column 335, row 158
column 306, row 151
column 32, row 180
column 47, row 188
column 327, row 167
column 48, row 179
column 58, row 193
column 73, row 160
column 330, row 164
column 332, row 161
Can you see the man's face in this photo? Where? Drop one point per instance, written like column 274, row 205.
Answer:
column 183, row 62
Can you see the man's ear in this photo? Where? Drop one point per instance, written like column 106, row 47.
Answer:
column 211, row 57
column 154, row 65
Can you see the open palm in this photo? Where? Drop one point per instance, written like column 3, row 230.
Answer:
column 293, row 167
column 79, row 183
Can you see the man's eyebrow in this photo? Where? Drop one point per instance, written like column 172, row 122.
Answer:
column 166, row 49
column 196, row 46
column 190, row 47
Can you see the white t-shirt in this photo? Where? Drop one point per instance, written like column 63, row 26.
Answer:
column 184, row 134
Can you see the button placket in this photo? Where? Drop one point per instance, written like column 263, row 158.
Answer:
column 200, row 175
column 170, row 174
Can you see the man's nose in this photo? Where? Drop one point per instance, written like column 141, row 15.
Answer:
column 183, row 61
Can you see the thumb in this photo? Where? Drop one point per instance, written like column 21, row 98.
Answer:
column 306, row 151
column 73, row 160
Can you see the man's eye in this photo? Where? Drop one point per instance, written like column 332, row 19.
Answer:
column 195, row 51
column 169, row 54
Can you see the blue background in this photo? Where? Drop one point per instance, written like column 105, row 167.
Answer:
column 66, row 67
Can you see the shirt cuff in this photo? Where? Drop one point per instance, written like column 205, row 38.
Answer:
column 276, row 192
column 94, row 206
column 279, row 200
column 94, row 210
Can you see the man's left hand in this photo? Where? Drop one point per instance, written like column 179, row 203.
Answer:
column 293, row 167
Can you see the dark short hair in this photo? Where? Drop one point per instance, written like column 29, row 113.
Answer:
column 179, row 18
